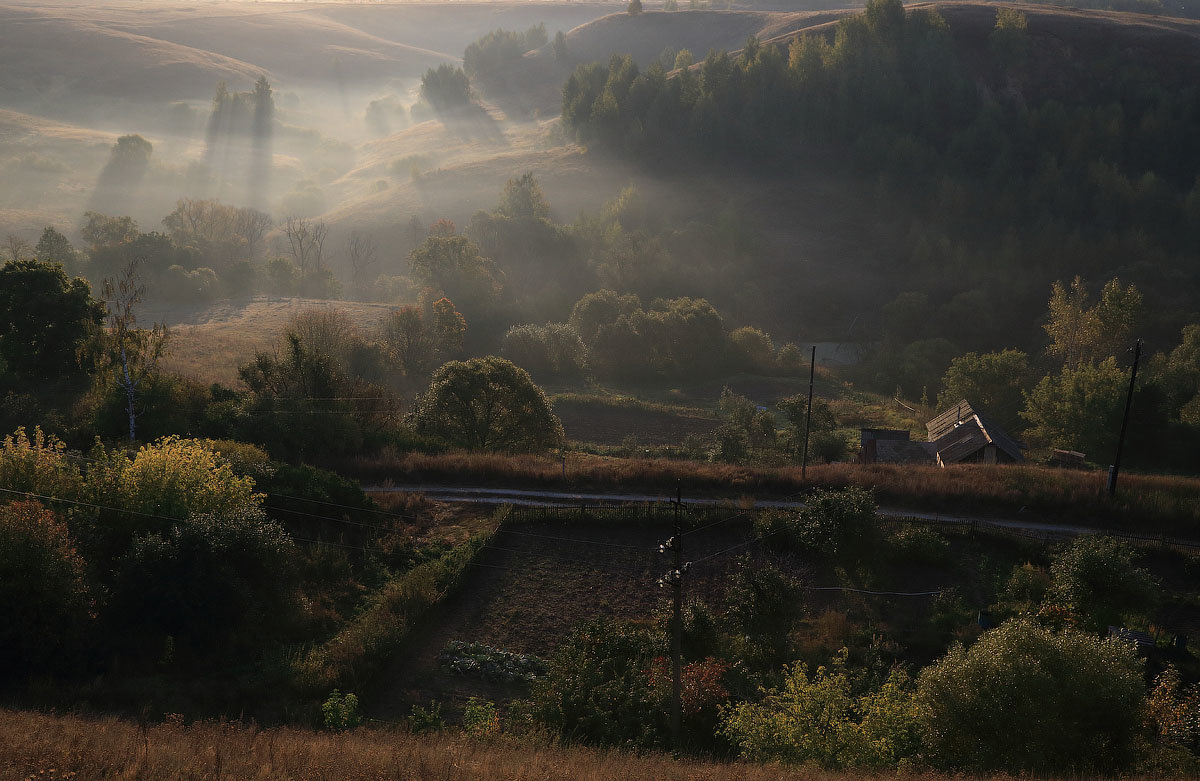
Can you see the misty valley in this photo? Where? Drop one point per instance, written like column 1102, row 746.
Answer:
column 550, row 389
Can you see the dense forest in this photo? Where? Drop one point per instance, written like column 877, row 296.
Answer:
column 1012, row 162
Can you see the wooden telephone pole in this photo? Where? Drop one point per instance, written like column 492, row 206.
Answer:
column 674, row 578
column 812, row 373
column 1115, row 469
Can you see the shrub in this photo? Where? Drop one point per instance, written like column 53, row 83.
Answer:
column 37, row 465
column 820, row 720
column 174, row 477
column 340, row 711
column 1026, row 699
column 762, row 603
column 41, row 588
column 208, row 579
column 546, row 350
column 1174, row 711
column 753, row 347
column 597, row 688
column 840, row 524
column 424, row 720
column 480, row 719
column 170, row 479
column 1096, row 579
column 1027, row 585
column 921, row 545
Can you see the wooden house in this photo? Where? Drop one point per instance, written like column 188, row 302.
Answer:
column 960, row 435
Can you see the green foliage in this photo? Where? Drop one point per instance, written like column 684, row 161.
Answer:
column 523, row 199
column 452, row 266
column 1082, row 332
column 208, row 580
column 821, row 720
column 480, row 719
column 1027, row 586
column 753, row 347
column 597, row 689
column 920, row 545
column 560, row 47
column 1026, row 699
column 761, row 604
column 340, row 711
column 296, row 400
column 1018, row 177
column 446, row 87
column 1010, row 38
column 426, row 720
column 551, row 350
column 1096, row 578
column 37, row 464
column 487, row 404
column 361, row 648
column 42, row 589
column 1173, row 708
column 484, row 58
column 53, row 247
column 1078, row 409
column 839, row 524
column 46, row 319
column 172, row 478
column 991, row 382
column 674, row 336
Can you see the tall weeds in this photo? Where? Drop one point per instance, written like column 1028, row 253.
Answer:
column 1146, row 503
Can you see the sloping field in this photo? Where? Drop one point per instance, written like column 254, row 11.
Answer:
column 178, row 51
column 46, row 53
column 208, row 343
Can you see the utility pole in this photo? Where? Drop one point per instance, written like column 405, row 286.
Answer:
column 1115, row 469
column 812, row 372
column 675, row 579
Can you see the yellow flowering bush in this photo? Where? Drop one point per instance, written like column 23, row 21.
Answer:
column 819, row 719
column 36, row 464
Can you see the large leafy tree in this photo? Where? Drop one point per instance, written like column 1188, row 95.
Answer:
column 1097, row 579
column 1083, row 331
column 46, row 319
column 992, row 382
column 453, row 266
column 488, row 404
column 1078, row 408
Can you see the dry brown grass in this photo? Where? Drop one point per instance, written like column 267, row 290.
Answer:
column 209, row 342
column 1146, row 503
column 39, row 746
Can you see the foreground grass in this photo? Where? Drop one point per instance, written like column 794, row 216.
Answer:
column 1145, row 503
column 40, row 746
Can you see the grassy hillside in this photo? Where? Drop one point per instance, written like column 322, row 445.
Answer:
column 209, row 342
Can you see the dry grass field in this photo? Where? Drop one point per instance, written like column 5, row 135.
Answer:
column 1146, row 503
column 208, row 343
column 43, row 747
